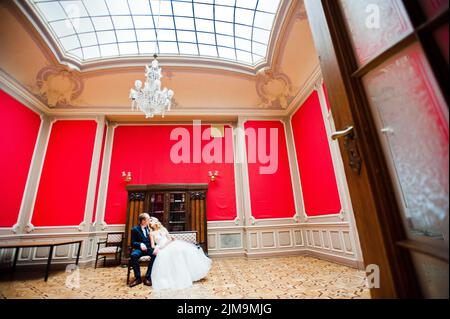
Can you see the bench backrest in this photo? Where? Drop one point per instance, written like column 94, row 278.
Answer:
column 189, row 236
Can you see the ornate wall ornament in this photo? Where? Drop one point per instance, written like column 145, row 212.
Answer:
column 252, row 220
column 58, row 86
column 29, row 227
column 16, row 228
column 81, row 226
column 274, row 89
column 237, row 221
column 319, row 84
column 103, row 225
column 198, row 195
column 342, row 215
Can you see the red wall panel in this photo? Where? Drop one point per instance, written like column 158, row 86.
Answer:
column 145, row 152
column 318, row 179
column 62, row 191
column 18, row 134
column 271, row 195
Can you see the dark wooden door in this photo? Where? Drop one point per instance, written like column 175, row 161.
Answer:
column 385, row 67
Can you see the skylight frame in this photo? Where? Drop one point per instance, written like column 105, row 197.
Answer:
column 239, row 46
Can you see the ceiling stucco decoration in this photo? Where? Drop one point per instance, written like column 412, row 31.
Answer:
column 57, row 86
column 274, row 88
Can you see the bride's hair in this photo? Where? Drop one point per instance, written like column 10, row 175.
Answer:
column 158, row 225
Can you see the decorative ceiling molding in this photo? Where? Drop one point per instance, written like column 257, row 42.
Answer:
column 22, row 94
column 306, row 89
column 291, row 17
column 274, row 89
column 57, row 86
column 168, row 61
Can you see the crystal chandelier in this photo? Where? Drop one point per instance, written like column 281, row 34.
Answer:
column 150, row 99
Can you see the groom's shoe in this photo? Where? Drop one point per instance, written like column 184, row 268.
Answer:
column 135, row 283
column 147, row 282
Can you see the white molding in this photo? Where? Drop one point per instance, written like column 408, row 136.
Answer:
column 306, row 89
column 245, row 180
column 20, row 93
column 82, row 226
column 103, row 225
column 31, row 182
column 240, row 211
column 16, row 228
column 104, row 177
column 302, row 216
column 94, row 171
column 295, row 243
column 29, row 228
column 293, row 168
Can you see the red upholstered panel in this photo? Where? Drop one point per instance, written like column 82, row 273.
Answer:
column 99, row 173
column 145, row 152
column 18, row 135
column 62, row 192
column 271, row 195
column 318, row 179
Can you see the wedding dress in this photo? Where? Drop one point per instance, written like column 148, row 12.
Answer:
column 178, row 263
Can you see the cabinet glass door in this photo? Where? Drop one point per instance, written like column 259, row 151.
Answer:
column 157, row 206
column 177, row 212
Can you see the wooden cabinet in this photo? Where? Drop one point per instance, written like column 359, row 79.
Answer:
column 179, row 207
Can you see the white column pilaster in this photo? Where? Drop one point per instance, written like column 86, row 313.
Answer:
column 99, row 223
column 96, row 154
column 23, row 224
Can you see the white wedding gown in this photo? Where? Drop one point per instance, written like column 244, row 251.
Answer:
column 178, row 264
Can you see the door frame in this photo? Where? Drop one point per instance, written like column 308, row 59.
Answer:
column 376, row 208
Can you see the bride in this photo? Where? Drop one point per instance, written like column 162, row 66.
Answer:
column 178, row 263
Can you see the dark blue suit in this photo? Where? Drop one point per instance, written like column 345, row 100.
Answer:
column 138, row 237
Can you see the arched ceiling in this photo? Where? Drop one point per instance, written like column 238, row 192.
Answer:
column 31, row 66
column 94, row 30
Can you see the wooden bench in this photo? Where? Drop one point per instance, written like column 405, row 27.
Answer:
column 188, row 236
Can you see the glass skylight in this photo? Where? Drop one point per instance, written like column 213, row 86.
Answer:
column 236, row 30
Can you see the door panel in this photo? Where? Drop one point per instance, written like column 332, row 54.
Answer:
column 383, row 62
column 374, row 25
column 412, row 119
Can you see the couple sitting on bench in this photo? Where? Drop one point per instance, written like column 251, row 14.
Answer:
column 174, row 264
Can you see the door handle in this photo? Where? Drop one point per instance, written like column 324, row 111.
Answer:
column 354, row 159
column 343, row 133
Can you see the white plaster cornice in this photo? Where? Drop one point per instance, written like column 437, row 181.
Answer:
column 19, row 92
column 309, row 86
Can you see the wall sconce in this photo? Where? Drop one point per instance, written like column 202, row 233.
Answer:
column 213, row 176
column 127, row 177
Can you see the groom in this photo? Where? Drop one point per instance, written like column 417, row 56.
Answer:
column 140, row 241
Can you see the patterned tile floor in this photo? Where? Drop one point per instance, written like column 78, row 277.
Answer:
column 296, row 277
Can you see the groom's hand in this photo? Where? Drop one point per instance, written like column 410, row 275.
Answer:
column 143, row 247
column 156, row 251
